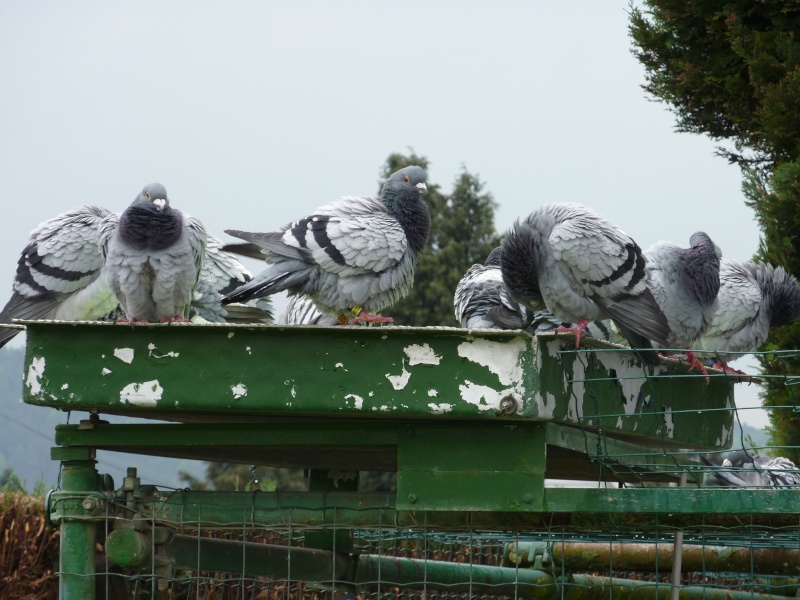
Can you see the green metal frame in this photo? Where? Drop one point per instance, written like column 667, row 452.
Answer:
column 472, row 421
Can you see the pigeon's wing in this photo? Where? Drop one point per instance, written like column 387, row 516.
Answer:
column 198, row 239
column 610, row 268
column 106, row 231
column 465, row 290
column 222, row 269
column 62, row 257
column 352, row 236
column 739, row 302
column 301, row 310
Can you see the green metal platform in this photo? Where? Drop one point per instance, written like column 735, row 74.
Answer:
column 473, row 422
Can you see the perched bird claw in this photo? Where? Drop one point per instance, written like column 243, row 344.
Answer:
column 579, row 331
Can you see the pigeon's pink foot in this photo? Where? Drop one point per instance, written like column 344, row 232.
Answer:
column 693, row 361
column 365, row 317
column 175, row 319
column 579, row 330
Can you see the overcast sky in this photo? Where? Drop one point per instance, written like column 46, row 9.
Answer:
column 254, row 113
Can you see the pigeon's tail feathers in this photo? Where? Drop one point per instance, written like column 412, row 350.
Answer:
column 275, row 278
column 640, row 344
column 246, row 313
column 245, row 249
column 272, row 243
column 27, row 309
column 639, row 314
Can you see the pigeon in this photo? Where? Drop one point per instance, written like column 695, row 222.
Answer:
column 301, row 311
column 59, row 273
column 685, row 284
column 223, row 272
column 583, row 268
column 741, row 469
column 153, row 255
column 352, row 257
column 752, row 298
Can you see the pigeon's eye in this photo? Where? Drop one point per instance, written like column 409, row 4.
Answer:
column 406, row 179
column 147, row 195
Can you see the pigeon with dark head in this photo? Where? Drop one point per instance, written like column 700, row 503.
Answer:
column 352, row 257
column 685, row 283
column 153, row 256
column 59, row 273
column 583, row 268
column 752, row 298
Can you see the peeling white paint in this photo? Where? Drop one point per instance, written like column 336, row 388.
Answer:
column 339, row 366
column 105, row 371
column 248, row 350
column 482, row 396
column 421, row 355
column 239, row 390
column 619, row 422
column 399, row 382
column 231, row 334
column 553, row 348
column 124, row 354
column 371, row 394
column 293, row 391
column 35, row 374
column 358, row 401
column 440, row 409
column 546, row 406
column 669, row 422
column 385, row 408
column 501, row 358
column 147, row 393
column 65, row 386
column 433, row 393
column 151, row 351
column 726, row 432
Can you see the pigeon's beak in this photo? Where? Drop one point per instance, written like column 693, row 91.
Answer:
column 423, row 189
column 160, row 203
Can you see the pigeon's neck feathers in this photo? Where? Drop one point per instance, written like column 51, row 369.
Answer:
column 146, row 228
column 700, row 272
column 784, row 295
column 411, row 212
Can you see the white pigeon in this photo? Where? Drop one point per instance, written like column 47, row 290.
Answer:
column 153, row 255
column 752, row 298
column 353, row 257
column 583, row 268
column 685, row 282
column 59, row 273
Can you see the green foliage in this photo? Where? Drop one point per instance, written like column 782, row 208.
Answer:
column 462, row 234
column 727, row 69
column 732, row 71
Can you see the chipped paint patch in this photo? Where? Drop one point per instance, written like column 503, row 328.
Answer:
column 239, row 390
column 546, row 406
column 358, row 401
column 482, row 396
column 35, row 374
column 293, row 391
column 723, row 441
column 339, row 366
column 433, row 393
column 248, row 350
column 147, row 393
column 440, row 409
column 106, row 371
column 670, row 424
column 399, row 382
column 151, row 352
column 124, row 354
column 65, row 386
column 231, row 334
column 501, row 358
column 553, row 348
column 421, row 355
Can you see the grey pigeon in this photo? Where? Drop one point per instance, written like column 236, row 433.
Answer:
column 752, row 298
column 352, row 257
column 301, row 311
column 59, row 272
column 153, row 255
column 583, row 268
column 685, row 284
column 223, row 272
column 742, row 469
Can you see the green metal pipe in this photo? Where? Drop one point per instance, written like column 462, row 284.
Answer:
column 589, row 587
column 389, row 572
column 597, row 556
column 78, row 537
column 128, row 548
